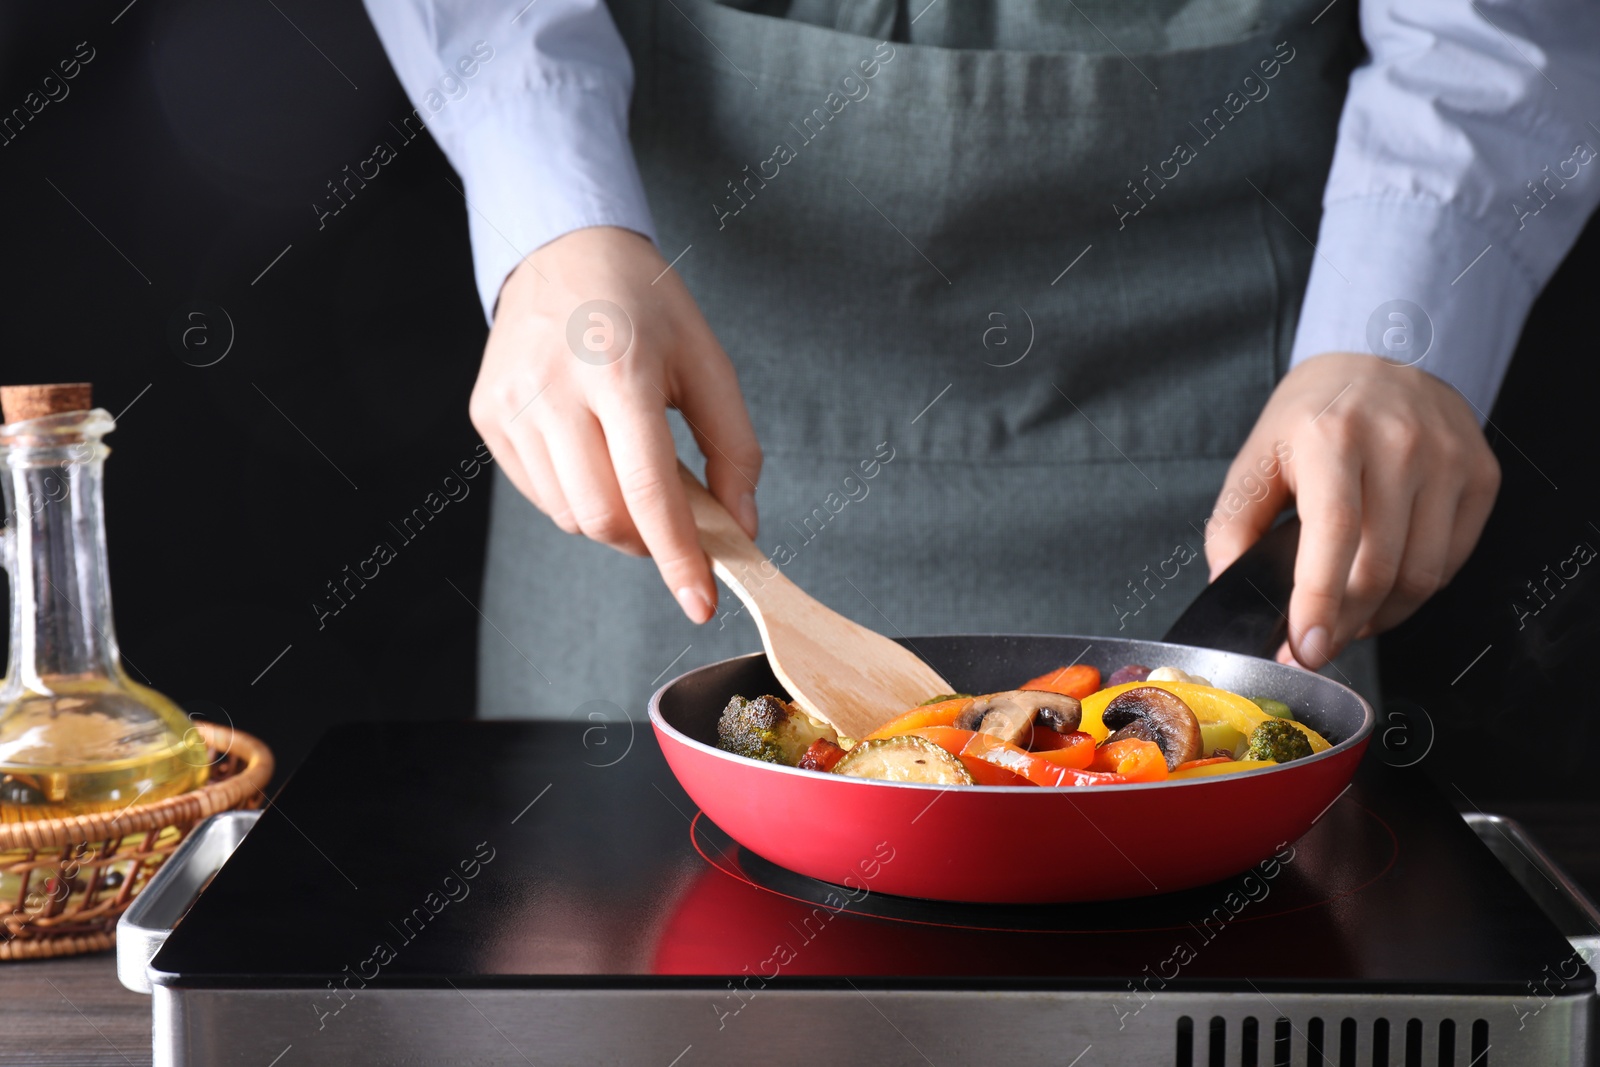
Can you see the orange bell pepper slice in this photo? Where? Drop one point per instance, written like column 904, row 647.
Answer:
column 941, row 714
column 1077, row 680
column 1133, row 759
column 1029, row 765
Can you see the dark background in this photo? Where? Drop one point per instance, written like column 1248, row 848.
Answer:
column 196, row 142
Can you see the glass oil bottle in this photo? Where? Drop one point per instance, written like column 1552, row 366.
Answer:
column 77, row 735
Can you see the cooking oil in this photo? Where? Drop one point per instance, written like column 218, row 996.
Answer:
column 94, row 744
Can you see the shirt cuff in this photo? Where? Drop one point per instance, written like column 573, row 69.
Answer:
column 1416, row 283
column 542, row 164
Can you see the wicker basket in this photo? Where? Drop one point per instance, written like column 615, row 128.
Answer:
column 103, row 860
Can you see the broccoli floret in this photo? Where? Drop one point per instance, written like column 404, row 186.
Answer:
column 769, row 729
column 942, row 697
column 1279, row 740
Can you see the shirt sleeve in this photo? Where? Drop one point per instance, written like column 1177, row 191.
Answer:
column 1465, row 169
column 529, row 101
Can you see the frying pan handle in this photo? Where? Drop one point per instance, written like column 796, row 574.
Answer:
column 1247, row 608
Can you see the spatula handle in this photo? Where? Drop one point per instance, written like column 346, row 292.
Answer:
column 736, row 559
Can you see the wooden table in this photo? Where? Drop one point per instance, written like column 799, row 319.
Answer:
column 74, row 1011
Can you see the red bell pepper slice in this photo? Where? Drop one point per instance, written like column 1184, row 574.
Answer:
column 820, row 756
column 985, row 773
column 1068, row 750
column 1019, row 761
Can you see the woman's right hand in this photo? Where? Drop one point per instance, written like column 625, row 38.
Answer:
column 593, row 339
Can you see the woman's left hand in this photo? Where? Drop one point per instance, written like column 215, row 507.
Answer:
column 1393, row 480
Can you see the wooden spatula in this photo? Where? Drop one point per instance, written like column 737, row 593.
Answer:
column 835, row 670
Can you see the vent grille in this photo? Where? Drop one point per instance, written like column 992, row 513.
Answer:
column 1315, row 1042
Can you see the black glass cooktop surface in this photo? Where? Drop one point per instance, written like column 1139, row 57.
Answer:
column 550, row 855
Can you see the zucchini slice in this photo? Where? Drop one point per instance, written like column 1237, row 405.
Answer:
column 904, row 758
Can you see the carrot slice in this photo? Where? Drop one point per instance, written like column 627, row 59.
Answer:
column 1077, row 680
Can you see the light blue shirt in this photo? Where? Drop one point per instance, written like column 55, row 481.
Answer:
column 1464, row 170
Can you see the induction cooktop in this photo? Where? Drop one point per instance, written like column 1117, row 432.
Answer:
column 499, row 892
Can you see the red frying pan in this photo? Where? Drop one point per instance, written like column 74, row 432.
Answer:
column 1027, row 844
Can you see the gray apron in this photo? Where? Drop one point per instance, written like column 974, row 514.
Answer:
column 1004, row 299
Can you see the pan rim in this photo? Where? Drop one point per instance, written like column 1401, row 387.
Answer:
column 1355, row 740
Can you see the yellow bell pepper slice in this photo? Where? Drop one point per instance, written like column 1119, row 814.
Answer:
column 1208, row 703
column 1211, row 770
column 1215, row 735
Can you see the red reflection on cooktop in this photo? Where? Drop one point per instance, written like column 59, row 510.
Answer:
column 1327, row 883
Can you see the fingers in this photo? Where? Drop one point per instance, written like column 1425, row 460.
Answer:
column 1394, row 486
column 1328, row 491
column 523, row 456
column 1477, row 500
column 646, row 464
column 1412, row 541
column 1387, row 505
column 1424, row 566
column 1446, row 522
column 714, row 408
column 595, row 452
column 582, row 464
column 1255, row 478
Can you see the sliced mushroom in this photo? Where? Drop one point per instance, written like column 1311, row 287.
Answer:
column 1012, row 715
column 1063, row 714
column 1153, row 714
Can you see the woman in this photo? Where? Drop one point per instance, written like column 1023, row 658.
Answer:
column 989, row 298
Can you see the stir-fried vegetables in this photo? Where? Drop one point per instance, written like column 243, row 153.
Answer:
column 1060, row 729
column 1207, row 702
column 1030, row 767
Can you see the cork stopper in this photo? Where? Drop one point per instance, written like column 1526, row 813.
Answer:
column 19, row 402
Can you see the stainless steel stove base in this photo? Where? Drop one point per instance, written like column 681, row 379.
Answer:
column 1444, row 962
column 680, row 1028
